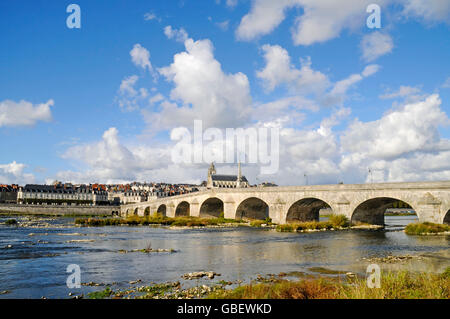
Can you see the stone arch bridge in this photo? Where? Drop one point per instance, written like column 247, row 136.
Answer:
column 364, row 203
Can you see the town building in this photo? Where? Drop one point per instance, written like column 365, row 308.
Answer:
column 225, row 181
column 8, row 193
column 61, row 195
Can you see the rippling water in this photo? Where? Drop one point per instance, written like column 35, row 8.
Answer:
column 35, row 264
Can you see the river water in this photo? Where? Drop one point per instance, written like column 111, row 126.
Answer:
column 34, row 265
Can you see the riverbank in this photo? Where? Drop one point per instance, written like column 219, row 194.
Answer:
column 394, row 285
column 399, row 285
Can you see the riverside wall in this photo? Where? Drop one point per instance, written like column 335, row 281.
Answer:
column 58, row 210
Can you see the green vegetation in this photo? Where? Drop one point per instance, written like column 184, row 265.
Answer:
column 260, row 223
column 426, row 228
column 100, row 294
column 155, row 219
column 11, row 222
column 335, row 221
column 401, row 285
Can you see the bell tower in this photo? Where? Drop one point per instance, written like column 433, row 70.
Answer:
column 211, row 172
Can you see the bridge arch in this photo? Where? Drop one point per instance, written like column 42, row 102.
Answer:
column 446, row 219
column 212, row 207
column 183, row 209
column 371, row 211
column 162, row 210
column 136, row 211
column 147, row 211
column 306, row 209
column 252, row 208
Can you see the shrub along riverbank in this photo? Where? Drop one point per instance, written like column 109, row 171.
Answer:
column 334, row 222
column 156, row 219
column 399, row 285
column 426, row 228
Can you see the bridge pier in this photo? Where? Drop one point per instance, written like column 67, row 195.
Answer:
column 194, row 208
column 170, row 210
column 229, row 209
column 429, row 209
column 278, row 212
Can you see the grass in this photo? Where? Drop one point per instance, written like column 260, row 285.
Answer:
column 107, row 292
column 400, row 285
column 156, row 219
column 426, row 228
column 335, row 221
column 260, row 223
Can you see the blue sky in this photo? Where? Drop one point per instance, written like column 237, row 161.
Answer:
column 63, row 114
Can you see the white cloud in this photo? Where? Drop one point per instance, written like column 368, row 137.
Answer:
column 223, row 25
column 446, row 84
column 320, row 21
column 279, row 70
column 13, row 173
column 410, row 128
column 375, row 45
column 129, row 97
column 180, row 35
column 403, row 91
column 403, row 145
column 141, row 57
column 204, row 89
column 428, row 10
column 338, row 93
column 150, row 16
column 231, row 3
column 263, row 18
column 24, row 113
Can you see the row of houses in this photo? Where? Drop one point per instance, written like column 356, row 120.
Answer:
column 89, row 195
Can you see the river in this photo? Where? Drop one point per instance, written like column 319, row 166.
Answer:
column 33, row 259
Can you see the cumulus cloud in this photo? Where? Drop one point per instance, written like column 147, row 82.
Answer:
column 279, row 70
column 24, row 113
column 411, row 128
column 320, row 21
column 402, row 145
column 375, row 45
column 324, row 20
column 13, row 173
column 204, row 90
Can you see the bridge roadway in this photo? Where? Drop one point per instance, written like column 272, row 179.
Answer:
column 364, row 203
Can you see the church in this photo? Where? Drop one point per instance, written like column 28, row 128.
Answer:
column 225, row 181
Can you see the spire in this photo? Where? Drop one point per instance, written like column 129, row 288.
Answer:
column 239, row 176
